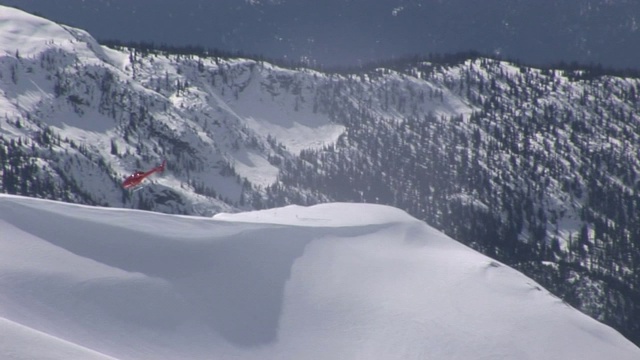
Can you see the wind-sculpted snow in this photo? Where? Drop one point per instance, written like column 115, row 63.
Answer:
column 339, row 281
column 322, row 215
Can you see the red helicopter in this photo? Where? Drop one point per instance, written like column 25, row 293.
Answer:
column 135, row 179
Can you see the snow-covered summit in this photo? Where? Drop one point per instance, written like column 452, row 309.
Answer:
column 322, row 215
column 26, row 33
column 339, row 281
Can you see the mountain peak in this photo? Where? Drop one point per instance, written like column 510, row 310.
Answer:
column 28, row 34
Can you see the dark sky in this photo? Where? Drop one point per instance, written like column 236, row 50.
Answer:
column 348, row 32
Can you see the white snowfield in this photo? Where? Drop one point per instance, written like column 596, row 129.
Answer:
column 333, row 281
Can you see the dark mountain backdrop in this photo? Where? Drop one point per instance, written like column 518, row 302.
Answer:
column 349, row 32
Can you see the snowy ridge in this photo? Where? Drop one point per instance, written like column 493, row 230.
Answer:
column 27, row 34
column 322, row 215
column 20, row 342
column 329, row 281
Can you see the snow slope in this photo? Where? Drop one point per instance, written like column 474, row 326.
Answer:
column 333, row 281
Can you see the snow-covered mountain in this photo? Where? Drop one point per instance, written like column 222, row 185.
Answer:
column 89, row 115
column 332, row 281
column 536, row 167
